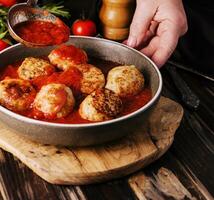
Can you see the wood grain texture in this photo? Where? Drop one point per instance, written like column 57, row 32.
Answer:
column 60, row 165
column 161, row 185
column 194, row 143
column 168, row 179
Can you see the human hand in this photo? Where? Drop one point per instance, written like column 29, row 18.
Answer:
column 156, row 28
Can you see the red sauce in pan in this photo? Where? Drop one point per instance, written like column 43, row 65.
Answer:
column 72, row 78
column 43, row 32
column 78, row 55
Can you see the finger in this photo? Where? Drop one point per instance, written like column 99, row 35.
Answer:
column 149, row 35
column 150, row 49
column 140, row 24
column 168, row 38
column 162, row 46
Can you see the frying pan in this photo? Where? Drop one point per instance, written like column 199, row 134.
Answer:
column 91, row 133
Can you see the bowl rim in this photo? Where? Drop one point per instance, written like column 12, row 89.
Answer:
column 92, row 124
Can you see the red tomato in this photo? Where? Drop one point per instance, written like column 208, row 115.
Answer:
column 84, row 27
column 8, row 3
column 3, row 45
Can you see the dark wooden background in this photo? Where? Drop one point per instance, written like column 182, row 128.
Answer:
column 191, row 158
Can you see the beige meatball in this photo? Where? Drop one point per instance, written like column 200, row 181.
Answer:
column 65, row 57
column 34, row 67
column 54, row 101
column 16, row 95
column 125, row 80
column 92, row 78
column 102, row 104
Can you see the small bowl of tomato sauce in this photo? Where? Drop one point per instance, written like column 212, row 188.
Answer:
column 35, row 27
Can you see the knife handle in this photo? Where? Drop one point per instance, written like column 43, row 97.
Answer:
column 189, row 98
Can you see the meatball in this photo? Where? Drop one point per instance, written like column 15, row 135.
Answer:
column 34, row 67
column 125, row 80
column 54, row 101
column 16, row 95
column 65, row 57
column 92, row 78
column 102, row 104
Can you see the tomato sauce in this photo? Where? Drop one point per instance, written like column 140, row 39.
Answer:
column 43, row 32
column 10, row 71
column 78, row 55
column 72, row 79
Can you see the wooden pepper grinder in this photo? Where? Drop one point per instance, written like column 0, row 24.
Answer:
column 116, row 17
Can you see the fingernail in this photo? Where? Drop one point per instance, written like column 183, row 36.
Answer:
column 132, row 42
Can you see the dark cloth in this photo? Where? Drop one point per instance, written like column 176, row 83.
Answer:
column 196, row 48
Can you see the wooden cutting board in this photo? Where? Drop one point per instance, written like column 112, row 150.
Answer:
column 85, row 165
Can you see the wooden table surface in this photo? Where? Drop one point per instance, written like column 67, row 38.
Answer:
column 187, row 168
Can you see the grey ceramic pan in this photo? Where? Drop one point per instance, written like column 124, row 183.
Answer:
column 84, row 134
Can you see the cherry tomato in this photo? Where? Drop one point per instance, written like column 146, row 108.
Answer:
column 84, row 27
column 8, row 3
column 3, row 45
